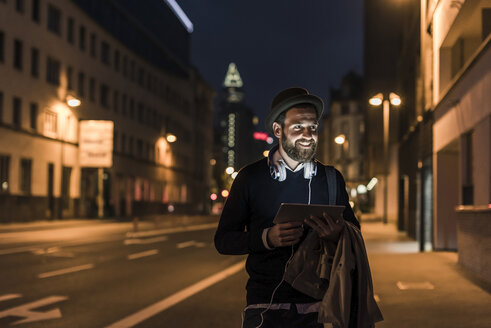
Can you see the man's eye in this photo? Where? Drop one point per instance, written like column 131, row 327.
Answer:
column 297, row 127
column 313, row 127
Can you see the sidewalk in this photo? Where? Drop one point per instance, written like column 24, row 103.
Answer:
column 422, row 290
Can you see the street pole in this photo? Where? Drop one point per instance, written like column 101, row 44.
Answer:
column 100, row 189
column 386, row 108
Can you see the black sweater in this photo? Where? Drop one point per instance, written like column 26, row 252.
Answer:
column 250, row 208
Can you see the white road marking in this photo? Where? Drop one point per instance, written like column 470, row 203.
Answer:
column 106, row 238
column 7, row 297
column 25, row 311
column 143, row 254
column 190, row 243
column 415, row 285
column 197, row 227
column 53, row 251
column 137, row 241
column 65, row 271
column 180, row 296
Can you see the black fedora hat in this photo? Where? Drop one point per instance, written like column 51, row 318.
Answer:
column 287, row 99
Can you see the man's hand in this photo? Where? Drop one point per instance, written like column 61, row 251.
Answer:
column 326, row 227
column 285, row 234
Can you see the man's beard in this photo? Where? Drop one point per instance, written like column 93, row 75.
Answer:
column 297, row 152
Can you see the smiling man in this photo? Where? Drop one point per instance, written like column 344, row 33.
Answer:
column 290, row 174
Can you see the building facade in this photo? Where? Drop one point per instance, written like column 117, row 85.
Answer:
column 342, row 142
column 456, row 88
column 122, row 70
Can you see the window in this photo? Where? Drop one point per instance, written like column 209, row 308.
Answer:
column 54, row 19
column 17, row 112
column 33, row 117
column 2, row 47
column 50, row 122
column 69, row 78
column 130, row 145
column 92, row 89
column 70, row 30
column 105, row 52
column 124, row 101
column 116, row 60
column 81, row 38
column 116, row 101
column 35, row 11
column 4, row 173
column 34, row 62
column 81, row 85
column 93, row 50
column 141, row 113
column 139, row 148
column 25, row 175
column 53, row 71
column 18, row 54
column 19, row 6
column 141, row 76
column 344, row 109
column 125, row 66
column 132, row 108
column 123, row 143
column 104, row 100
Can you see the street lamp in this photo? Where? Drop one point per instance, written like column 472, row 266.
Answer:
column 395, row 101
column 340, row 139
column 72, row 101
column 171, row 138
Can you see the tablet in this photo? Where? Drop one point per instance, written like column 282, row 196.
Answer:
column 289, row 212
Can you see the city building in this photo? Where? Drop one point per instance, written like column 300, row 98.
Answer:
column 64, row 63
column 456, row 88
column 415, row 136
column 342, row 139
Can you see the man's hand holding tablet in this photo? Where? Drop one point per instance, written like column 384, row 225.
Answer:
column 326, row 220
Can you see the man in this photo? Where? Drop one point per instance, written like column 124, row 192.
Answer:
column 290, row 174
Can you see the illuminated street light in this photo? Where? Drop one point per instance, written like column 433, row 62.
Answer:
column 376, row 100
column 395, row 100
column 225, row 193
column 229, row 170
column 171, row 138
column 266, row 153
column 234, row 175
column 72, row 101
column 213, row 196
column 213, row 162
column 340, row 139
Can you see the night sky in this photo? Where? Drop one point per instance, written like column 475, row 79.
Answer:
column 276, row 44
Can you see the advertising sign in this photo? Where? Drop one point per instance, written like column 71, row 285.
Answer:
column 96, row 143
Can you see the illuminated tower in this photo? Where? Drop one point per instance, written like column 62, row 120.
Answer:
column 236, row 121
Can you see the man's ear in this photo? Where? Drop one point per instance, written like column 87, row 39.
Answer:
column 277, row 130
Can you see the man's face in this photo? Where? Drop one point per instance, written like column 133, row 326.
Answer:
column 299, row 136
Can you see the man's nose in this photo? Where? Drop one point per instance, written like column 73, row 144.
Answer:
column 307, row 133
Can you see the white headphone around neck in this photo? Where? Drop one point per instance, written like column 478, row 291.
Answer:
column 278, row 171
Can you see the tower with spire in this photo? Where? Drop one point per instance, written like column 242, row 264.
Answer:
column 236, row 122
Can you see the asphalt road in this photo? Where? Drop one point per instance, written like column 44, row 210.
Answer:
column 98, row 275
